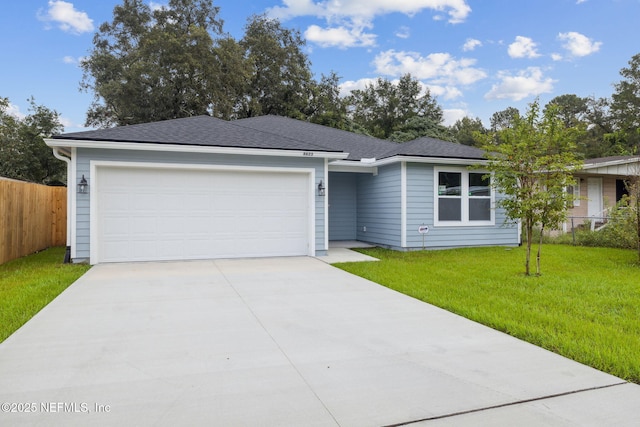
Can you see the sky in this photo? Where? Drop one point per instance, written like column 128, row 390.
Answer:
column 476, row 57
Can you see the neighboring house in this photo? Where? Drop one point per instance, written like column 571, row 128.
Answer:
column 200, row 187
column 600, row 186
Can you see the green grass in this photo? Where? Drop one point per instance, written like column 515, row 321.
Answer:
column 29, row 283
column 585, row 306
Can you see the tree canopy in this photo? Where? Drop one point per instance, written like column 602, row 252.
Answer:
column 466, row 131
column 280, row 79
column 385, row 107
column 625, row 105
column 149, row 65
column 23, row 152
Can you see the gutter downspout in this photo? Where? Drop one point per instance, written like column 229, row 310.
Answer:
column 58, row 155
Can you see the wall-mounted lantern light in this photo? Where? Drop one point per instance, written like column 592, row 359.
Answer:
column 83, row 186
column 321, row 189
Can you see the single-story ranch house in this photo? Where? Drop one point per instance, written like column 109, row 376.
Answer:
column 200, row 188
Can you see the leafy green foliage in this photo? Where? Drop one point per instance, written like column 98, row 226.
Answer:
column 532, row 162
column 327, row 107
column 504, row 119
column 280, row 80
column 232, row 72
column 23, row 152
column 171, row 62
column 571, row 109
column 586, row 307
column 386, row 107
column 149, row 65
column 418, row 127
column 625, row 105
column 465, row 131
column 622, row 228
column 29, row 283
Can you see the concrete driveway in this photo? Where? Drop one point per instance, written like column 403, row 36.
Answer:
column 287, row 341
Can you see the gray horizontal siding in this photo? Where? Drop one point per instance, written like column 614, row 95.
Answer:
column 379, row 206
column 85, row 155
column 420, row 210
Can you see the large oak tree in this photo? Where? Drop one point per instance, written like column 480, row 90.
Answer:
column 149, row 65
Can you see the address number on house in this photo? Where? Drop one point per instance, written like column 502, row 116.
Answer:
column 423, row 229
column 307, row 153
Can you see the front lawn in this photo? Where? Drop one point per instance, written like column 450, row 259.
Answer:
column 29, row 283
column 585, row 306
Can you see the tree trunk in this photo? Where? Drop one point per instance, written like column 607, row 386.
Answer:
column 538, row 272
column 529, row 230
column 638, row 217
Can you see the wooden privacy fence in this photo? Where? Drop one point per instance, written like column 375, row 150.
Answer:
column 32, row 217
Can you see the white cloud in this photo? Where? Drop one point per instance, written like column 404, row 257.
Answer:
column 349, row 85
column 67, row 17
column 457, row 10
column 529, row 82
column 556, row 57
column 440, row 68
column 14, row 110
column 403, row 32
column 452, row 115
column 156, row 6
column 68, row 123
column 523, row 47
column 341, row 37
column 580, row 1
column 73, row 60
column 445, row 92
column 346, row 19
column 578, row 44
column 471, row 44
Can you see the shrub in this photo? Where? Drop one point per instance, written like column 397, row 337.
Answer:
column 621, row 230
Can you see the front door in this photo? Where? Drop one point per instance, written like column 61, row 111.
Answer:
column 594, row 193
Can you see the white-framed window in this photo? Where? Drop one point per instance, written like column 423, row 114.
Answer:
column 463, row 197
column 575, row 190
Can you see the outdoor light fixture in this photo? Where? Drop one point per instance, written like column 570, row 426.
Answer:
column 83, row 186
column 321, row 189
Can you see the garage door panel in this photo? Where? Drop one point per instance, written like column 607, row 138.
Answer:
column 163, row 214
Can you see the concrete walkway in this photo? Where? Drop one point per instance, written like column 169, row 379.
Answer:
column 341, row 251
column 281, row 342
column 337, row 255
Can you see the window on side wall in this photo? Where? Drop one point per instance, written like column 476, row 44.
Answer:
column 575, row 191
column 463, row 197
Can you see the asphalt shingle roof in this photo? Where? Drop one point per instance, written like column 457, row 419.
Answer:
column 358, row 146
column 431, row 147
column 274, row 132
column 198, row 130
column 610, row 159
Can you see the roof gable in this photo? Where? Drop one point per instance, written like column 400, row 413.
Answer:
column 614, row 165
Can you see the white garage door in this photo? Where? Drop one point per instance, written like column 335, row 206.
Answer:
column 147, row 214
